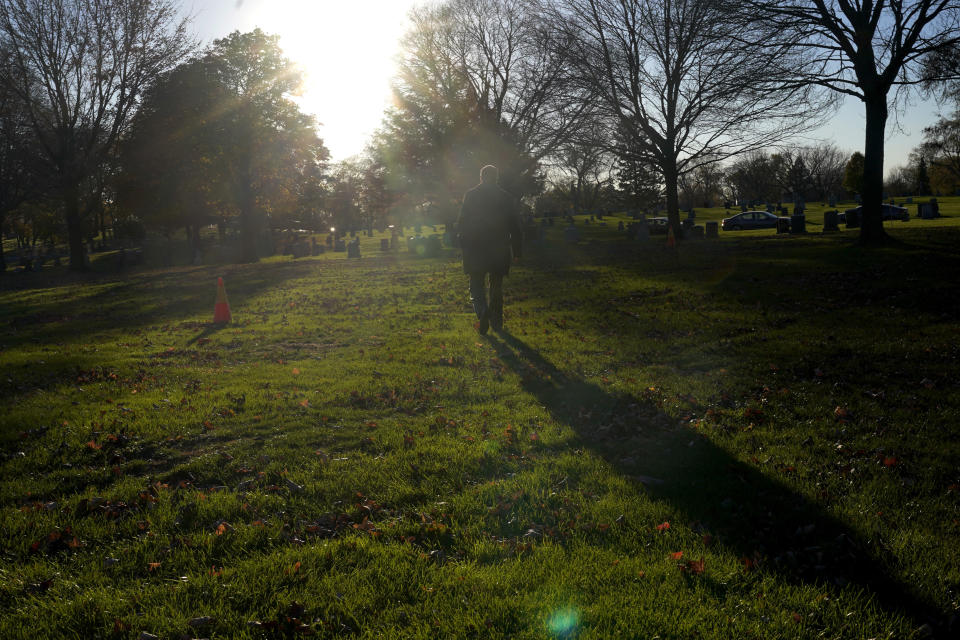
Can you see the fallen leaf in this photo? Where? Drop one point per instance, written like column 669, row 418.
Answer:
column 676, row 555
column 663, row 527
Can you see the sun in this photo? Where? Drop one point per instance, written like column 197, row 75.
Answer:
column 346, row 52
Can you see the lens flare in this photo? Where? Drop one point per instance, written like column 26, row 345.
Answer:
column 563, row 623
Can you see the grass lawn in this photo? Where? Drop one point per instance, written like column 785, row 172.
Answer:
column 753, row 437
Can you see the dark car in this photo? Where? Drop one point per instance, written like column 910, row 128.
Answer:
column 750, row 220
column 888, row 211
column 657, row 225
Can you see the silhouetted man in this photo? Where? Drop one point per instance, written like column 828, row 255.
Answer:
column 490, row 236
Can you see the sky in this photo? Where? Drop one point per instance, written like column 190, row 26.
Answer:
column 346, row 49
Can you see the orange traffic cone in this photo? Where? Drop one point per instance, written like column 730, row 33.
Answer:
column 671, row 240
column 221, row 310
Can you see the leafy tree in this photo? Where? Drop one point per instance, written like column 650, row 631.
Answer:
column 79, row 68
column 853, row 180
column 173, row 168
column 873, row 51
column 941, row 144
column 922, row 178
column 219, row 137
column 20, row 171
column 268, row 141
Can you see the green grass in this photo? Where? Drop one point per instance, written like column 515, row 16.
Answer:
column 349, row 458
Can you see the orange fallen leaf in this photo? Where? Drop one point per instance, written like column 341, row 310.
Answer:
column 295, row 371
column 305, row 403
column 676, row 555
column 694, row 567
column 153, row 565
column 93, row 445
column 663, row 527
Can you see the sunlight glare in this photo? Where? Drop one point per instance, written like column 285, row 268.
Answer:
column 346, row 51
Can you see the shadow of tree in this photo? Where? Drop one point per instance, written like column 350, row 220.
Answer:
column 762, row 521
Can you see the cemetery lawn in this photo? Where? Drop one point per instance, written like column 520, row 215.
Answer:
column 753, row 437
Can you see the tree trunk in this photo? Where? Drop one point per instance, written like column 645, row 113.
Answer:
column 670, row 179
column 248, row 227
column 74, row 228
column 871, row 217
column 3, row 260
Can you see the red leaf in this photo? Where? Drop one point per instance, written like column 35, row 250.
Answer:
column 694, row 567
column 94, row 445
column 890, row 461
column 676, row 555
column 663, row 527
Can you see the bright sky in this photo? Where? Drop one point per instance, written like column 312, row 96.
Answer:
column 346, row 49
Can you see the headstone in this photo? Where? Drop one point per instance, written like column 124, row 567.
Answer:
column 783, row 225
column 385, row 244
column 696, row 232
column 798, row 223
column 353, row 248
column 433, row 246
column 852, row 219
column 712, row 229
column 339, row 245
column 330, row 240
column 928, row 210
column 571, row 235
column 642, row 229
column 830, row 219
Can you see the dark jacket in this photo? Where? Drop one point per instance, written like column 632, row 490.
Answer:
column 489, row 230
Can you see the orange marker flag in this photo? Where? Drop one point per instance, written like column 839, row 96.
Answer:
column 221, row 310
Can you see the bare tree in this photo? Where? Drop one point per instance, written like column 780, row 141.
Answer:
column 582, row 167
column 751, row 178
column 480, row 82
column 873, row 51
column 518, row 69
column 686, row 81
column 825, row 163
column 79, row 67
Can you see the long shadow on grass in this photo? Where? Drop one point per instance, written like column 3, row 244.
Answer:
column 759, row 519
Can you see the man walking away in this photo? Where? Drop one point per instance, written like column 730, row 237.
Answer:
column 490, row 237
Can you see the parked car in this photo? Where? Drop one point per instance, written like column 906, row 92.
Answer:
column 888, row 211
column 657, row 225
column 750, row 220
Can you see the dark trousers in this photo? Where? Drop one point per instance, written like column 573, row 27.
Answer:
column 493, row 308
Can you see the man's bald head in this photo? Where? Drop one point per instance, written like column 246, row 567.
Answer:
column 489, row 174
